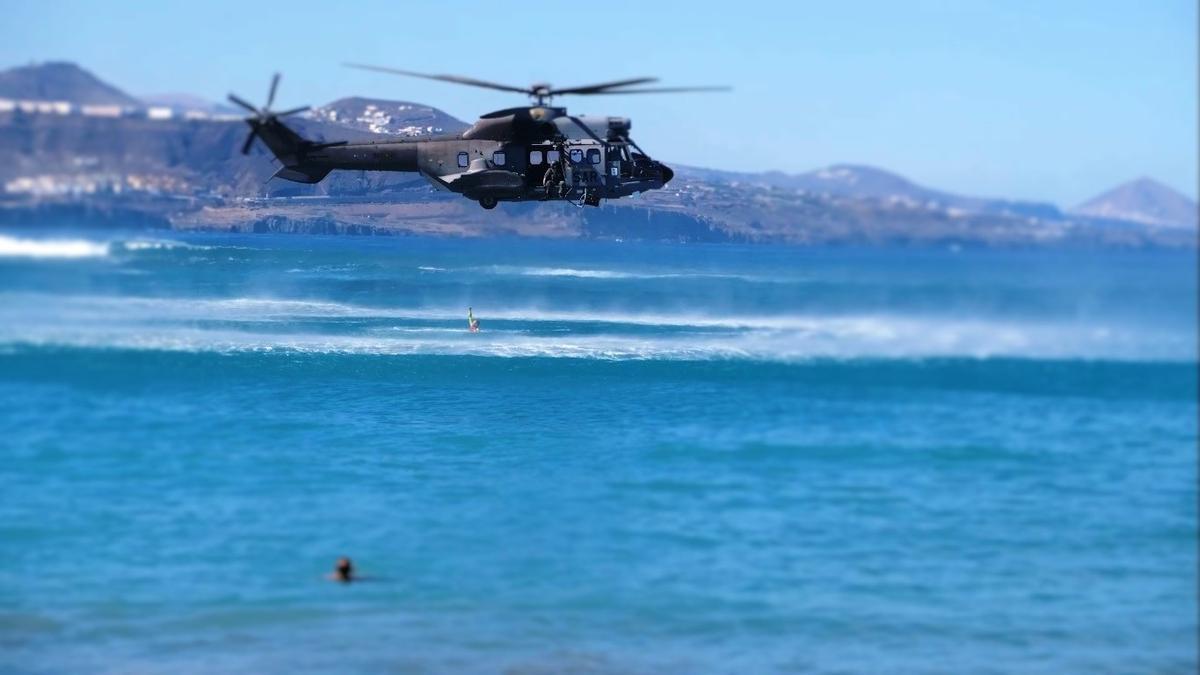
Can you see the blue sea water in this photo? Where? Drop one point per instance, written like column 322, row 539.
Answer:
column 652, row 458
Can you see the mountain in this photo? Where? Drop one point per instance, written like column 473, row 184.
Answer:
column 396, row 118
column 856, row 181
column 1143, row 200
column 187, row 172
column 60, row 81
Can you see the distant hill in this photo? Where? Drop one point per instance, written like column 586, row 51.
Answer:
column 60, row 81
column 855, row 181
column 187, row 172
column 1143, row 200
column 398, row 118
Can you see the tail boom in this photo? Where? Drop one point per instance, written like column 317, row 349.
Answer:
column 306, row 161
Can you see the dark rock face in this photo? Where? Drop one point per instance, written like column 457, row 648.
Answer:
column 320, row 225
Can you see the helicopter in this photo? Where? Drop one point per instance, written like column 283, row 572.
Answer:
column 537, row 152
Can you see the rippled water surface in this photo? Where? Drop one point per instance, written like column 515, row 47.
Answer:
column 652, row 458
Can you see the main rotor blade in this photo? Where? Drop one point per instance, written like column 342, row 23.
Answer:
column 293, row 111
column 271, row 95
column 597, row 88
column 659, row 90
column 456, row 79
column 249, row 142
column 234, row 98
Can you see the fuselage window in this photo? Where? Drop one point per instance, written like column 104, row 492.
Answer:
column 535, row 157
column 498, row 158
column 576, row 155
column 463, row 160
column 552, row 156
column 594, row 156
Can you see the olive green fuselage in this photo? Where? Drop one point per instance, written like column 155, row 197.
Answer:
column 511, row 155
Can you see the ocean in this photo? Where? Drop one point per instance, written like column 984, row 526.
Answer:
column 653, row 458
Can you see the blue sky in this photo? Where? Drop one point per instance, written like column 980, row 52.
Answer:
column 1036, row 100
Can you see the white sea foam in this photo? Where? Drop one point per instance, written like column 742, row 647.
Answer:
column 744, row 347
column 84, row 248
column 605, row 273
column 571, row 272
column 160, row 245
column 14, row 247
column 179, row 324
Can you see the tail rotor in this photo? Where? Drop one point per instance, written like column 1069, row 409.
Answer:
column 261, row 117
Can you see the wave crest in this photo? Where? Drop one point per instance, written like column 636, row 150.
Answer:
column 14, row 247
column 261, row 324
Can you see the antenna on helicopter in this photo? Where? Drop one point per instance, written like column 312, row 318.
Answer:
column 541, row 92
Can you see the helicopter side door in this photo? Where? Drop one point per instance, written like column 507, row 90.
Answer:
column 541, row 158
column 586, row 161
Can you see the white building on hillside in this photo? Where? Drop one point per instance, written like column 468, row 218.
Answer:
column 103, row 110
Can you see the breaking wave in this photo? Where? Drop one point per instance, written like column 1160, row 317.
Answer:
column 160, row 245
column 602, row 273
column 71, row 249
column 258, row 324
column 14, row 247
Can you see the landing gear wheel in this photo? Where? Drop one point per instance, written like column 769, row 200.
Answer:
column 488, row 202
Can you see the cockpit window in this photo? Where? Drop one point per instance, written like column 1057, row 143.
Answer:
column 498, row 158
column 593, row 156
column 535, row 157
column 463, row 160
column 552, row 156
column 576, row 155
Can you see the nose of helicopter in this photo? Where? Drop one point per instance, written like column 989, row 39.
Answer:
column 667, row 173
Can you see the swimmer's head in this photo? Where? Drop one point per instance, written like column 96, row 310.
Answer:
column 344, row 569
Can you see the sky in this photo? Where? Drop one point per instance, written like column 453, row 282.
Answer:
column 1052, row 101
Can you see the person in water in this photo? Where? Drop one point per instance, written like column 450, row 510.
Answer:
column 472, row 322
column 343, row 571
